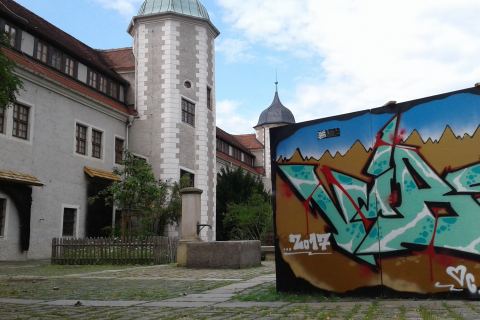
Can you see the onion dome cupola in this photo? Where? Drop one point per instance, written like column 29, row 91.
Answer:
column 277, row 113
column 192, row 8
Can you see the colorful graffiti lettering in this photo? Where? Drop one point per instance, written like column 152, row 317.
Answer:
column 406, row 206
column 397, row 190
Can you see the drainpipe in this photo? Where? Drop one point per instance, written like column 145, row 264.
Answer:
column 128, row 124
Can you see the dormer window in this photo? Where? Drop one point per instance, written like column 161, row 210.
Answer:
column 113, row 89
column 56, row 59
column 11, row 33
column 42, row 51
column 92, row 79
column 69, row 67
column 102, row 84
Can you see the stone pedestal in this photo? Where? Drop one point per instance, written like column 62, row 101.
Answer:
column 190, row 214
column 190, row 219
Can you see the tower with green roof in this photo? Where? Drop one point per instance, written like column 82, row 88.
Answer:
column 173, row 45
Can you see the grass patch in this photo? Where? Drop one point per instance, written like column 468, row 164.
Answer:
column 372, row 310
column 267, row 292
column 426, row 314
column 451, row 312
column 45, row 269
column 103, row 289
column 353, row 311
column 402, row 314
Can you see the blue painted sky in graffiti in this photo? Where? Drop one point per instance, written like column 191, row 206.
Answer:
column 459, row 111
column 358, row 128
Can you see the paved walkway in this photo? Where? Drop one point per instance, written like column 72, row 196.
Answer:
column 207, row 298
column 211, row 303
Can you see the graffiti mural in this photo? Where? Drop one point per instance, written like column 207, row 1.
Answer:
column 384, row 201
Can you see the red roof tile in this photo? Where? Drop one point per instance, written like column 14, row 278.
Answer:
column 249, row 141
column 119, row 59
column 227, row 137
column 46, row 31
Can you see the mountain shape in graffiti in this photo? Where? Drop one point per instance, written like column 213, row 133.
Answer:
column 406, row 205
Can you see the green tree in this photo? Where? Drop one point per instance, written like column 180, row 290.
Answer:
column 142, row 198
column 251, row 220
column 10, row 84
column 234, row 187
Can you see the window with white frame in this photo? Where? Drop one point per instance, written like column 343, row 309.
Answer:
column 81, row 139
column 42, row 51
column 69, row 222
column 187, row 177
column 92, row 79
column 69, row 67
column 20, row 121
column 102, row 84
column 119, row 145
column 3, row 216
column 11, row 33
column 188, row 112
column 113, row 89
column 55, row 59
column 97, row 144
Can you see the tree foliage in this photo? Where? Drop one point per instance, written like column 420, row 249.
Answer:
column 251, row 220
column 150, row 203
column 10, row 84
column 234, row 187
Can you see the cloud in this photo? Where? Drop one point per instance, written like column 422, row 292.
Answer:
column 367, row 52
column 230, row 119
column 234, row 50
column 127, row 8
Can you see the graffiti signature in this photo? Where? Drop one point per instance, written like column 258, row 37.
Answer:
column 462, row 278
column 317, row 243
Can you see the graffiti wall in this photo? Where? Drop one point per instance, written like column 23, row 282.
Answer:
column 381, row 202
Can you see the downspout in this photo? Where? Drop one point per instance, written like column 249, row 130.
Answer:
column 128, row 124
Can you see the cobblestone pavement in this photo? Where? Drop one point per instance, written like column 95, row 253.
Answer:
column 168, row 292
column 251, row 310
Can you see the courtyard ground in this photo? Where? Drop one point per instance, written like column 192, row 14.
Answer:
column 38, row 290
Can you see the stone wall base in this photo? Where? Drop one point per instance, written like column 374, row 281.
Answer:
column 219, row 254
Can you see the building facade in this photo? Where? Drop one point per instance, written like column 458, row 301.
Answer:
column 81, row 107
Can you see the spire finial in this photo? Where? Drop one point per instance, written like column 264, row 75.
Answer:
column 276, row 81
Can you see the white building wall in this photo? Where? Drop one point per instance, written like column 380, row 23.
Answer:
column 141, row 64
column 49, row 155
column 201, row 125
column 168, row 135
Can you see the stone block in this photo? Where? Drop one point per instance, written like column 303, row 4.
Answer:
column 219, row 254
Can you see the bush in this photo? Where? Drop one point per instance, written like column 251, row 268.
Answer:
column 234, row 187
column 251, row 220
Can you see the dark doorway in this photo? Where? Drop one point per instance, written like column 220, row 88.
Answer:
column 99, row 214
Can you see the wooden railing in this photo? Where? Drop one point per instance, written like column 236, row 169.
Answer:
column 128, row 250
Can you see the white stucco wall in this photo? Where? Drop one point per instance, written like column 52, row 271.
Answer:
column 49, row 155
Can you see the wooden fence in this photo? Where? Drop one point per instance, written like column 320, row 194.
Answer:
column 129, row 250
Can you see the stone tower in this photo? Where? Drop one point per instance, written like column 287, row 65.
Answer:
column 173, row 45
column 274, row 116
